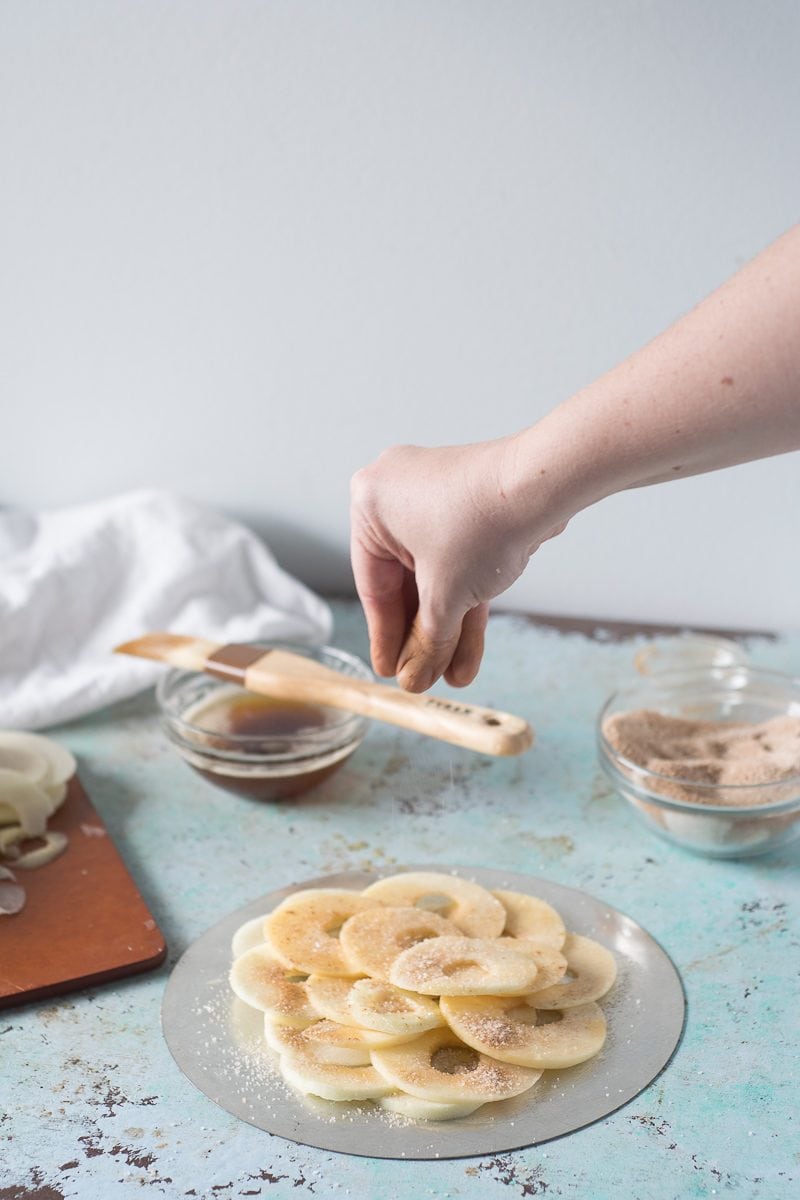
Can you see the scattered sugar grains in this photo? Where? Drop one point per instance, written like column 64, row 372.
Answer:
column 420, row 1070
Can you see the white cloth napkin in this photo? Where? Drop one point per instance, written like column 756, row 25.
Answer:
column 75, row 582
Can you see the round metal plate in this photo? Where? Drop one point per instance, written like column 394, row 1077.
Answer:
column 217, row 1042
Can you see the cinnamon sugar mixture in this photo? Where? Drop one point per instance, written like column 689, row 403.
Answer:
column 728, row 754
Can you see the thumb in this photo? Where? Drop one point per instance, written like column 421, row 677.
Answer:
column 430, row 644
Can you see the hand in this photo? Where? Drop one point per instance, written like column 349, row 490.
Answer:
column 435, row 535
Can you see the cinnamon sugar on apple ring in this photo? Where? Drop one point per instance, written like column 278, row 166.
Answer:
column 459, row 966
column 509, row 1028
column 438, row 1066
column 594, row 969
column 425, row 993
column 533, row 919
column 262, row 982
column 303, row 931
column 373, row 939
column 475, row 911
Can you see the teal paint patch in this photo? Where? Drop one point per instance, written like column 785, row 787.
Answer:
column 95, row 1107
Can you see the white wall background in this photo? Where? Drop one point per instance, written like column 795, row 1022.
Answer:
column 245, row 245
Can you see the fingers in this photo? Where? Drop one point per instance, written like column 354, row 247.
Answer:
column 424, row 658
column 398, row 640
column 469, row 651
column 417, row 638
column 384, row 590
column 453, row 650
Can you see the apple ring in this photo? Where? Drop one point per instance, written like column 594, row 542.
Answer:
column 438, row 1066
column 531, row 918
column 350, row 1052
column 282, row 1037
column 302, row 931
column 372, row 1004
column 471, row 907
column 379, row 1005
column 594, row 968
column 373, row 939
column 248, row 935
column 264, row 983
column 304, row 1071
column 416, row 1109
column 551, row 964
column 347, row 1045
column 330, row 996
column 462, row 966
column 506, row 1028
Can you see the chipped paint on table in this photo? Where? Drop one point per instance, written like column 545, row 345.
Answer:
column 92, row 1105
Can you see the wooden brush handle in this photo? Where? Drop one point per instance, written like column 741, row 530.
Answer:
column 291, row 676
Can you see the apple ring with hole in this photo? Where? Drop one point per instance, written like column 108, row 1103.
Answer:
column 594, row 969
column 264, row 983
column 473, row 908
column 416, row 1109
column 551, row 964
column 347, row 1045
column 248, row 935
column 438, row 1066
column 303, row 930
column 302, row 1069
column 372, row 1004
column 533, row 919
column 330, row 996
column 350, row 1053
column 377, row 1004
column 283, row 1038
column 462, row 966
column 373, row 939
column 508, row 1028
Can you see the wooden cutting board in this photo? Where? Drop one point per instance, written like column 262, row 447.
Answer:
column 84, row 921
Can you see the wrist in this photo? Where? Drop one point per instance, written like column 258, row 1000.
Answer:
column 556, row 468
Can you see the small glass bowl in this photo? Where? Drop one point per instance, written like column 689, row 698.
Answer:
column 728, row 821
column 305, row 745
column 688, row 652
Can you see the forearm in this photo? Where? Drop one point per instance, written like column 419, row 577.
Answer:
column 721, row 386
column 438, row 533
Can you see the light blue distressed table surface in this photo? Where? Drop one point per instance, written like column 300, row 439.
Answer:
column 93, row 1105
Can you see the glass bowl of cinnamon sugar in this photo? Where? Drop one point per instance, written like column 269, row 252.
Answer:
column 708, row 758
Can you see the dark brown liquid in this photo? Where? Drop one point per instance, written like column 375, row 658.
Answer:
column 283, row 724
column 270, row 787
column 245, row 714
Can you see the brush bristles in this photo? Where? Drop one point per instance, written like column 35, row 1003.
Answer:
column 173, row 648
